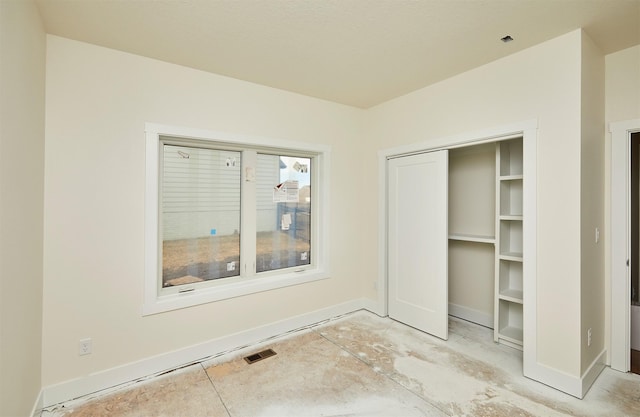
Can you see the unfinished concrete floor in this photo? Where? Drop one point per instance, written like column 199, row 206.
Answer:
column 363, row 365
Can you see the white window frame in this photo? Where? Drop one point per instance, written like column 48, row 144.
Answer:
column 248, row 282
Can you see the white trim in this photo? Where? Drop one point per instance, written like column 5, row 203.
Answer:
column 228, row 290
column 469, row 314
column 381, row 284
column 530, row 254
column 529, row 131
column 153, row 302
column 236, row 138
column 592, row 372
column 569, row 384
column 151, row 217
column 462, row 139
column 619, row 226
column 557, row 379
column 75, row 388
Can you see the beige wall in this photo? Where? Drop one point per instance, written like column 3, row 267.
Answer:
column 98, row 101
column 543, row 83
column 592, row 202
column 623, row 85
column 22, row 76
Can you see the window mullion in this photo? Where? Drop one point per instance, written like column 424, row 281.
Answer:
column 248, row 214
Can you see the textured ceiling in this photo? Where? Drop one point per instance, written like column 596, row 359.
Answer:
column 355, row 52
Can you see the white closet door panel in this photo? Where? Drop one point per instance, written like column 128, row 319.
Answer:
column 418, row 243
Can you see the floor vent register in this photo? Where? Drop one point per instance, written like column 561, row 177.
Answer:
column 256, row 357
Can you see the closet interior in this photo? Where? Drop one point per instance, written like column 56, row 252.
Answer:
column 485, row 237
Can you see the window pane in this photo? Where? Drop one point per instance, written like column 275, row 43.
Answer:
column 284, row 212
column 200, row 214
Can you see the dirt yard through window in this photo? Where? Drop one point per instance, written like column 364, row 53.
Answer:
column 187, row 261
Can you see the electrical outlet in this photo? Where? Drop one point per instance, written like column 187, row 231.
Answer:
column 589, row 337
column 231, row 266
column 303, row 256
column 84, row 347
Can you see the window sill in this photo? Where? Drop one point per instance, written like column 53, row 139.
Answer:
column 226, row 290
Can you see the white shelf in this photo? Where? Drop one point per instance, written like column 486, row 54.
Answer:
column 472, row 238
column 511, row 177
column 511, row 256
column 511, row 217
column 514, row 296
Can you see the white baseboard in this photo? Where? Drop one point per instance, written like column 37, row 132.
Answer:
column 590, row 375
column 572, row 385
column 469, row 314
column 109, row 378
column 555, row 378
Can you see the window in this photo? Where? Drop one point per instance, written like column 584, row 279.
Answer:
column 284, row 212
column 200, row 213
column 228, row 216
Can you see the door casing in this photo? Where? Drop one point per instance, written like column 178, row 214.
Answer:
column 620, row 248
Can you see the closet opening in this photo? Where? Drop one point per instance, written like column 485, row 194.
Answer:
column 502, row 221
column 455, row 247
column 485, row 237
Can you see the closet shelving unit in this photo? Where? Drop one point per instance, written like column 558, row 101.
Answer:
column 508, row 322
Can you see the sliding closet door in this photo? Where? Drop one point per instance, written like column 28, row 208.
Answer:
column 418, row 241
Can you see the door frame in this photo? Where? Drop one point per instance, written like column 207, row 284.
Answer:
column 620, row 217
column 528, row 130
